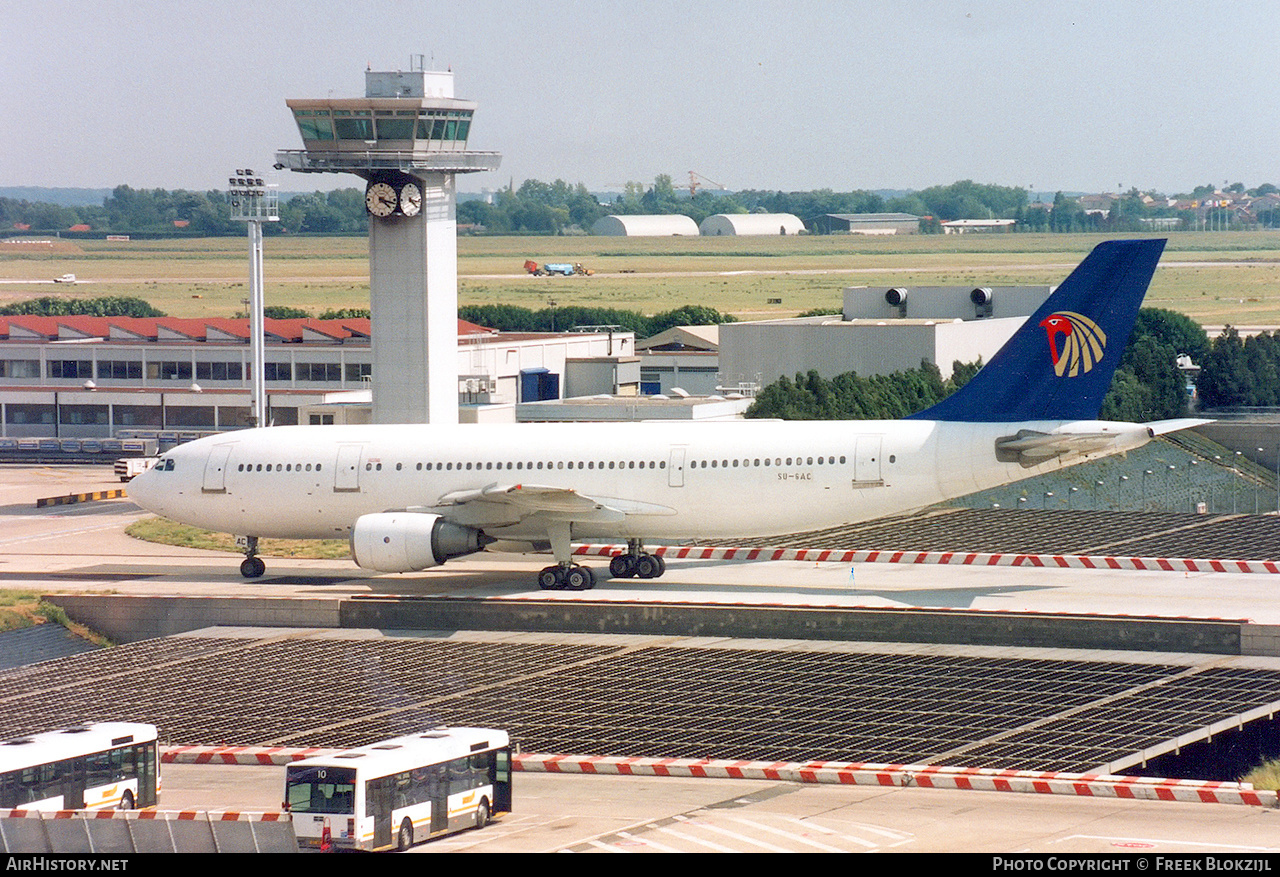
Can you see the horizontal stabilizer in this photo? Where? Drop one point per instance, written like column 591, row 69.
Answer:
column 1161, row 427
column 1031, row 447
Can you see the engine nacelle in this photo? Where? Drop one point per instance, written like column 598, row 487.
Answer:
column 405, row 541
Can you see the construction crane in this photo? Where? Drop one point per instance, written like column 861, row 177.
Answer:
column 695, row 185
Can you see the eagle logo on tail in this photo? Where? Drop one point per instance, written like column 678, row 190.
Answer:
column 1082, row 342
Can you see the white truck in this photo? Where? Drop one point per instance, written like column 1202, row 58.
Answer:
column 128, row 468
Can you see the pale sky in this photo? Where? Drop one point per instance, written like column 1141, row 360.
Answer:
column 804, row 94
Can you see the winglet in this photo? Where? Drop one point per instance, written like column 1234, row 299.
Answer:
column 1059, row 364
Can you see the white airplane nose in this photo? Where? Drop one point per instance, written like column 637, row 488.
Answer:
column 142, row 490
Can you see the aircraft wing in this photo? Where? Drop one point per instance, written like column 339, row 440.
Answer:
column 1031, row 447
column 506, row 504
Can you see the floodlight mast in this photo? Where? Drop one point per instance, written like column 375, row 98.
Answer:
column 255, row 202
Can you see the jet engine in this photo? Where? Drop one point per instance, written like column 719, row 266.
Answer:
column 406, row 541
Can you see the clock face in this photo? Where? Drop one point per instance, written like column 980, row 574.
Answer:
column 410, row 199
column 380, row 199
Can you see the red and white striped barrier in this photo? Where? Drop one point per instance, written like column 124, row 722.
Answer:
column 953, row 558
column 902, row 775
column 163, row 815
column 831, row 772
column 251, row 755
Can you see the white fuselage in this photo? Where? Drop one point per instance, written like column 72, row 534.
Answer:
column 673, row 480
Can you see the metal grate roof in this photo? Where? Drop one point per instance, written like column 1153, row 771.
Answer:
column 655, row 696
column 1014, row 531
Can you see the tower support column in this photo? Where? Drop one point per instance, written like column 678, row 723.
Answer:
column 413, row 280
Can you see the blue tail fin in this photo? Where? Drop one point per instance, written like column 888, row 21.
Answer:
column 1059, row 363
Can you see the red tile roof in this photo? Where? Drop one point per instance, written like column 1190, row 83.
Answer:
column 148, row 328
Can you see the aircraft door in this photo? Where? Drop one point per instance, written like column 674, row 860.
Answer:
column 215, row 469
column 346, row 473
column 675, row 468
column 866, row 460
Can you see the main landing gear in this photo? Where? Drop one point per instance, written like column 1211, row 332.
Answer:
column 252, row 566
column 637, row 563
column 566, row 575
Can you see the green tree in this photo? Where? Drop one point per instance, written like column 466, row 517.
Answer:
column 104, row 306
column 1225, row 379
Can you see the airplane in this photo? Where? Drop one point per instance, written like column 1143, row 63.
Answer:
column 411, row 497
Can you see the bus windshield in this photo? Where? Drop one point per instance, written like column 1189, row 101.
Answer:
column 320, row 790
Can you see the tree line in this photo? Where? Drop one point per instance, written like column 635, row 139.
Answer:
column 538, row 207
column 513, row 318
column 1241, row 372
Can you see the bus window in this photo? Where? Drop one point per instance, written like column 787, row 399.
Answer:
column 320, row 790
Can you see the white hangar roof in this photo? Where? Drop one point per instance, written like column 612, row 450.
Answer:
column 751, row 223
column 645, row 225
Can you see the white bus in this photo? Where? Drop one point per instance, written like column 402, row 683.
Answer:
column 401, row 790
column 91, row 767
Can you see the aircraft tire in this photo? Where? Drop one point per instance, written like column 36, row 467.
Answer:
column 647, row 566
column 623, row 566
column 580, row 578
column 550, row 579
column 252, row 567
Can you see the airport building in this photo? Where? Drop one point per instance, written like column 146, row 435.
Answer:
column 751, row 224
column 90, row 377
column 881, row 331
column 683, row 358
column 639, row 226
column 868, row 223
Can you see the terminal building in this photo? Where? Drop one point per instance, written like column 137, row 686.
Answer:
column 92, row 377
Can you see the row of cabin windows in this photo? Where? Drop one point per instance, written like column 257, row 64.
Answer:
column 776, row 461
column 578, row 464
column 278, row 467
column 439, row 467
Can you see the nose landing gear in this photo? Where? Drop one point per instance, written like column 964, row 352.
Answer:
column 252, row 566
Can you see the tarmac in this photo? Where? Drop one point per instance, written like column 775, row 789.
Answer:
column 81, row 549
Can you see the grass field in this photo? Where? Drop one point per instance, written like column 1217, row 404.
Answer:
column 1215, row 277
column 167, row 532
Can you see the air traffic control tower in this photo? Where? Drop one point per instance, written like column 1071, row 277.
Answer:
column 407, row 137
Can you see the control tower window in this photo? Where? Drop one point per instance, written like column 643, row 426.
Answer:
column 395, row 127
column 314, row 124
column 353, row 124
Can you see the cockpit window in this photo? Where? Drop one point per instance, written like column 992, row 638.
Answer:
column 165, row 465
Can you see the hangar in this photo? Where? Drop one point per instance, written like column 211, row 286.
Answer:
column 868, row 223
column 751, row 224
column 645, row 225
